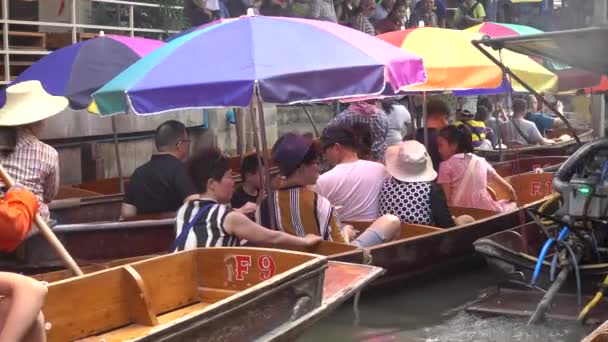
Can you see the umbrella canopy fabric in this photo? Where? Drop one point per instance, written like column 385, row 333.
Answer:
column 502, row 30
column 453, row 63
column 223, row 65
column 76, row 71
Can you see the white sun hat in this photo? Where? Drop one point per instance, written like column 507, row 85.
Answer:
column 28, row 102
column 409, row 162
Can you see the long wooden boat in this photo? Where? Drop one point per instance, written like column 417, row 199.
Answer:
column 227, row 294
column 528, row 164
column 420, row 249
column 562, row 148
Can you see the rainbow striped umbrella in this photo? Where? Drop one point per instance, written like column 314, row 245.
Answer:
column 496, row 30
column 453, row 63
column 229, row 63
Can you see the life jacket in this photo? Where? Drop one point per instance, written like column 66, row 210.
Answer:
column 477, row 128
column 17, row 211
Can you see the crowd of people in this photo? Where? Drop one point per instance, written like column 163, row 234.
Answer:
column 364, row 15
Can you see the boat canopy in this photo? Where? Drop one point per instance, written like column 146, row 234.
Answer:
column 583, row 48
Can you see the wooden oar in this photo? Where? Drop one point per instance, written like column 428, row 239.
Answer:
column 67, row 259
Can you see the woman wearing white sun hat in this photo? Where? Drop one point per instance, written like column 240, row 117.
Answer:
column 411, row 192
column 32, row 164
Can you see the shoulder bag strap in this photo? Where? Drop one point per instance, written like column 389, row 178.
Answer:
column 180, row 240
column 468, row 174
column 519, row 131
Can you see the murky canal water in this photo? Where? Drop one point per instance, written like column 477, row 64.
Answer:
column 431, row 310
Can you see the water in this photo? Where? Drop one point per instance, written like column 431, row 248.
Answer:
column 431, row 310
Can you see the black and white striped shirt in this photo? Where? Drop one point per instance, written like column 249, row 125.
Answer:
column 209, row 230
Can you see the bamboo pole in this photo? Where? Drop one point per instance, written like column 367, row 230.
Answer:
column 67, row 259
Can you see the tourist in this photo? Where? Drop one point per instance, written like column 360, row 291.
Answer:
column 438, row 8
column 399, row 119
column 581, row 105
column 542, row 121
column 465, row 176
column 519, row 131
column 352, row 185
column 394, row 21
column 197, row 12
column 208, row 221
column 469, row 13
column 370, row 114
column 299, row 210
column 425, row 13
column 361, row 20
column 247, row 193
column 476, row 127
column 436, row 119
column 315, row 9
column 31, row 164
column 346, row 11
column 411, row 193
column 483, row 115
column 381, row 11
column 162, row 184
column 21, row 300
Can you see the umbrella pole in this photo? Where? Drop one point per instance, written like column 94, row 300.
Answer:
column 511, row 74
column 424, row 115
column 46, row 231
column 268, row 187
column 117, row 152
column 262, row 157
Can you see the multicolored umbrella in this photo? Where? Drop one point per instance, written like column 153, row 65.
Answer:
column 232, row 62
column 453, row 63
column 76, row 71
column 495, row 30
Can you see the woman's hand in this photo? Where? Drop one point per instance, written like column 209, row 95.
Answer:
column 312, row 240
column 350, row 232
column 513, row 194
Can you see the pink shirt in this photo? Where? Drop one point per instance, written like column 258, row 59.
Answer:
column 475, row 193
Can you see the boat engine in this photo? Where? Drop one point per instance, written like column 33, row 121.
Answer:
column 578, row 230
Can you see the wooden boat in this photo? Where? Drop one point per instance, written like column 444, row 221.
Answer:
column 419, row 249
column 562, row 148
column 227, row 294
column 528, row 164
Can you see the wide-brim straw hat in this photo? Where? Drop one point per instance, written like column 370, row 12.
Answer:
column 409, row 162
column 28, row 102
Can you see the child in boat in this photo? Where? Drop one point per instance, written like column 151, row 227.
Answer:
column 209, row 222
column 21, row 300
column 411, row 193
column 465, row 176
column 298, row 210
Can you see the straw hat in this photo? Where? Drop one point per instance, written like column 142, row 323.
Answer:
column 409, row 162
column 28, row 102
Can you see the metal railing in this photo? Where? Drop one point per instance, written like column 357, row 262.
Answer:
column 73, row 25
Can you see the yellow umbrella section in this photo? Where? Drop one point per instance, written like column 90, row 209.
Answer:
column 453, row 63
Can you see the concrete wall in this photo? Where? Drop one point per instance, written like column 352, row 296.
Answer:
column 136, row 152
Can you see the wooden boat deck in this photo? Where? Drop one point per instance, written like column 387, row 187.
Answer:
column 598, row 335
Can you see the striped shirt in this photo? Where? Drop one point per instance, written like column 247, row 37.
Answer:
column 208, row 231
column 300, row 211
column 34, row 165
column 477, row 128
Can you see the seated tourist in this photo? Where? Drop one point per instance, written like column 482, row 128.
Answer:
column 465, row 176
column 246, row 194
column 299, row 211
column 31, row 163
column 352, row 185
column 162, row 184
column 208, row 221
column 477, row 128
column 542, row 121
column 519, row 131
column 411, row 193
column 21, row 300
column 436, row 118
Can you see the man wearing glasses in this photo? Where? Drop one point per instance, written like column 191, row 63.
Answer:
column 162, row 184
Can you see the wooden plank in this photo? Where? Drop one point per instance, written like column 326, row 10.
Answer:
column 212, row 295
column 139, row 299
column 531, row 187
column 476, row 213
column 74, row 313
column 413, row 230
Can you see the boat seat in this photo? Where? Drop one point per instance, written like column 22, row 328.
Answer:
column 154, row 216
